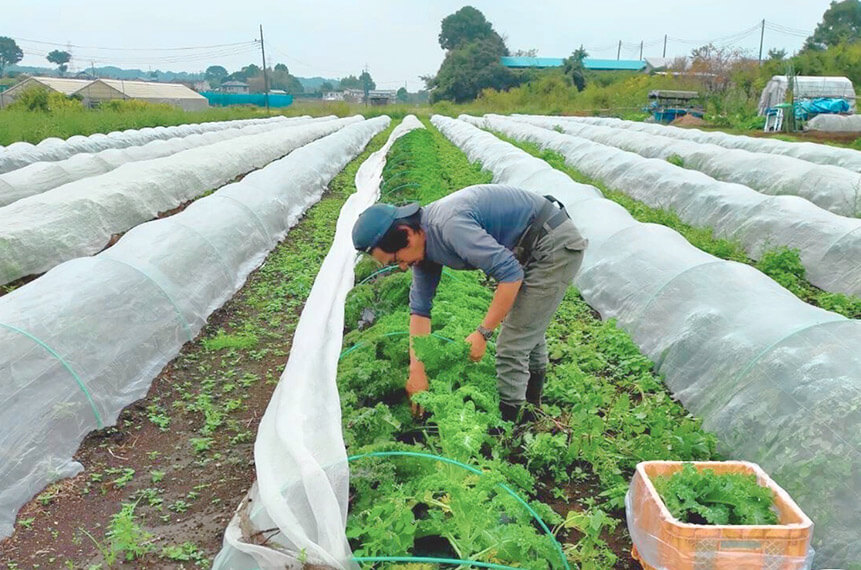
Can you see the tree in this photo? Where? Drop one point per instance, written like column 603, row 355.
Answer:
column 840, row 23
column 526, row 53
column 402, row 95
column 574, row 69
column 325, row 87
column 61, row 58
column 468, row 70
column 350, row 82
column 472, row 62
column 10, row 53
column 464, row 26
column 281, row 67
column 367, row 82
column 215, row 75
column 715, row 65
column 777, row 54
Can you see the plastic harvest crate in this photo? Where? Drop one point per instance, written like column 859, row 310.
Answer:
column 662, row 541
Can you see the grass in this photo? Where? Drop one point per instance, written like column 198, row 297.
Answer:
column 33, row 126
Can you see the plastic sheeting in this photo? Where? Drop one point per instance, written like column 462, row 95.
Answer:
column 302, row 474
column 42, row 176
column 79, row 218
column 777, row 380
column 812, row 152
column 829, row 245
column 87, row 338
column 805, row 87
column 20, row 154
column 835, row 123
column 833, row 188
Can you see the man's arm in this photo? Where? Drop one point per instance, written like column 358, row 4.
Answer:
column 503, row 300
column 424, row 283
column 418, row 380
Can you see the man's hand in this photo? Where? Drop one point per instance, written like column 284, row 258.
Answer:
column 417, row 382
column 477, row 346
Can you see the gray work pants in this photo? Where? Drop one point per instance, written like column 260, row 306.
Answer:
column 521, row 346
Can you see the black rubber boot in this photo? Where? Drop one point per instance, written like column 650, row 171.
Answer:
column 509, row 412
column 535, row 387
column 533, row 395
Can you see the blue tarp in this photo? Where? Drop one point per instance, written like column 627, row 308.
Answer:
column 225, row 99
column 811, row 108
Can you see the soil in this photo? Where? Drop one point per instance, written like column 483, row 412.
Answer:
column 688, row 121
column 813, row 136
column 182, row 495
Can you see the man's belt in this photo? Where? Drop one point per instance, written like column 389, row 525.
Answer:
column 551, row 214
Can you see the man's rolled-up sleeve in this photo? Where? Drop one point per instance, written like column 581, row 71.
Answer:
column 481, row 250
column 426, row 278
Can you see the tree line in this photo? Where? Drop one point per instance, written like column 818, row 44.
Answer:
column 473, row 50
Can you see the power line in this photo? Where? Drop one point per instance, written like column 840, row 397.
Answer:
column 134, row 49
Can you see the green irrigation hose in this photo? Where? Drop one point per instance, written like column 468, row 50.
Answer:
column 395, row 175
column 395, row 333
column 396, row 188
column 388, row 268
column 471, row 470
column 433, row 561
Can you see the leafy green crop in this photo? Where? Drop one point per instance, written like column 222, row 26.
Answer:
column 705, row 497
column 605, row 411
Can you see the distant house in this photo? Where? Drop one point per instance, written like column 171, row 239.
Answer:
column 354, row 95
column 93, row 92
column 382, row 96
column 516, row 62
column 333, row 96
column 201, row 86
column 234, row 87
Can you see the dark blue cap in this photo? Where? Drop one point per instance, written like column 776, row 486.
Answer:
column 374, row 222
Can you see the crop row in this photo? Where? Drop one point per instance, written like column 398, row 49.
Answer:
column 87, row 338
column 20, row 154
column 832, row 188
column 811, row 152
column 776, row 379
column 42, row 176
column 417, row 506
column 828, row 244
column 79, row 218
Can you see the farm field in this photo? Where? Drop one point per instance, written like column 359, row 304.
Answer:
column 637, row 373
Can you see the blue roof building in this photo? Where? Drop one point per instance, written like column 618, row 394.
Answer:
column 588, row 63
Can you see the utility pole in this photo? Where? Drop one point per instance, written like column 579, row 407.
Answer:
column 619, row 51
column 761, row 37
column 665, row 46
column 641, row 50
column 265, row 75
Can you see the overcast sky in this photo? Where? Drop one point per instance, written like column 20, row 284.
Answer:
column 396, row 39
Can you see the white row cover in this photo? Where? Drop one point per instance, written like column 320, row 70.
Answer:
column 777, row 380
column 303, row 478
column 20, row 154
column 79, row 218
column 88, row 337
column 42, row 176
column 835, row 124
column 833, row 188
column 812, row 152
column 829, row 245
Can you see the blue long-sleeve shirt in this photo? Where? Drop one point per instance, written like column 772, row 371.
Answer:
column 474, row 228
